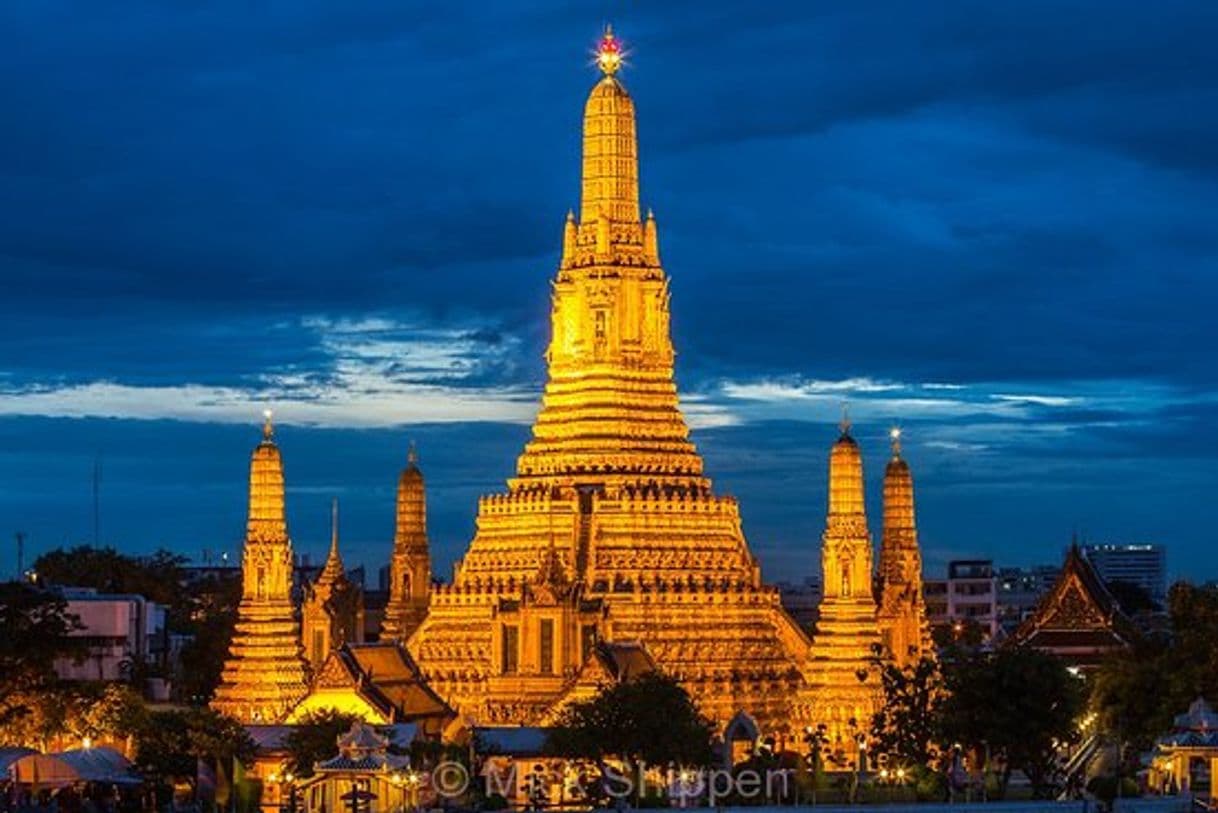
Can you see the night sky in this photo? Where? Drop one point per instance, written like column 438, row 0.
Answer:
column 992, row 224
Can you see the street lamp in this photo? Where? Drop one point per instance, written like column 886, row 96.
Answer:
column 286, row 779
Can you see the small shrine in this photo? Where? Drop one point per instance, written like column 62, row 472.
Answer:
column 1185, row 759
column 364, row 776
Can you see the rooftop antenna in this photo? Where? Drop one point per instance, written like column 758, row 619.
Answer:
column 20, row 553
column 97, row 472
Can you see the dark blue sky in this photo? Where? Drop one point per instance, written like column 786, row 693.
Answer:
column 993, row 225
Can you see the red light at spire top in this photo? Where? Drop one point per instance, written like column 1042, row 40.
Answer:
column 609, row 52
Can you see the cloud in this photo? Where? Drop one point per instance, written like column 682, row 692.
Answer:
column 373, row 371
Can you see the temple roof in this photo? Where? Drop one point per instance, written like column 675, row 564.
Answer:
column 625, row 660
column 385, row 676
column 1078, row 617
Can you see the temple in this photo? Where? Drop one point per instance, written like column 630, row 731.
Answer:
column 608, row 555
column 332, row 612
column 902, row 608
column 846, row 690
column 410, row 564
column 1078, row 620
column 609, row 531
column 265, row 674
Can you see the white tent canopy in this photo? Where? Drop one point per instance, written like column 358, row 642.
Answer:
column 69, row 767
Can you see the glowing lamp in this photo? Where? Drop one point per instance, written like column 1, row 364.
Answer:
column 609, row 52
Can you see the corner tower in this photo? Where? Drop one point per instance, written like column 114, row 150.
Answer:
column 332, row 613
column 902, row 613
column 846, row 690
column 410, row 566
column 264, row 675
column 609, row 531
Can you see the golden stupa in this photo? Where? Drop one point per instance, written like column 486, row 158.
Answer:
column 902, row 613
column 847, row 691
column 265, row 674
column 609, row 532
column 410, row 564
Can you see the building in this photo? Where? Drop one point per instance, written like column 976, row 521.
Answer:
column 332, row 612
column 380, row 684
column 847, row 691
column 608, row 553
column 1141, row 565
column 121, row 633
column 364, row 775
column 610, row 530
column 409, row 582
column 1078, row 620
column 265, row 674
column 1186, row 758
column 902, row 606
column 1020, row 590
column 967, row 595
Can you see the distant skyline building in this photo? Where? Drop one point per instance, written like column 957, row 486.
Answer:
column 1020, row 590
column 969, row 593
column 1144, row 565
column 118, row 630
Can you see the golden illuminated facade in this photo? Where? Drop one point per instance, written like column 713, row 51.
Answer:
column 902, row 613
column 410, row 566
column 846, row 687
column 609, row 531
column 332, row 612
column 265, row 674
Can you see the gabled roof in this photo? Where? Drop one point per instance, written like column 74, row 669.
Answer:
column 391, row 669
column 1078, row 618
column 625, row 660
column 383, row 675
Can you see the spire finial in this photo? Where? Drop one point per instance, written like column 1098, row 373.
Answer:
column 268, row 426
column 609, row 52
column 412, row 454
column 895, row 435
column 333, row 525
column 845, row 422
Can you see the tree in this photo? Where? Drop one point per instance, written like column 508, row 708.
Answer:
column 157, row 577
column 171, row 742
column 907, row 726
column 1133, row 598
column 315, row 739
column 1135, row 694
column 1017, row 704
column 647, row 721
column 35, row 628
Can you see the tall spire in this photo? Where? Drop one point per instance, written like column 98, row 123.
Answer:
column 902, row 615
column 898, row 501
column 264, row 673
column 845, row 477
column 411, row 526
column 410, row 566
column 611, row 163
column 334, row 570
column 267, row 521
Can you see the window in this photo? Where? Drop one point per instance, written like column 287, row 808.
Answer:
column 261, row 589
column 511, row 649
column 587, row 641
column 547, row 646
